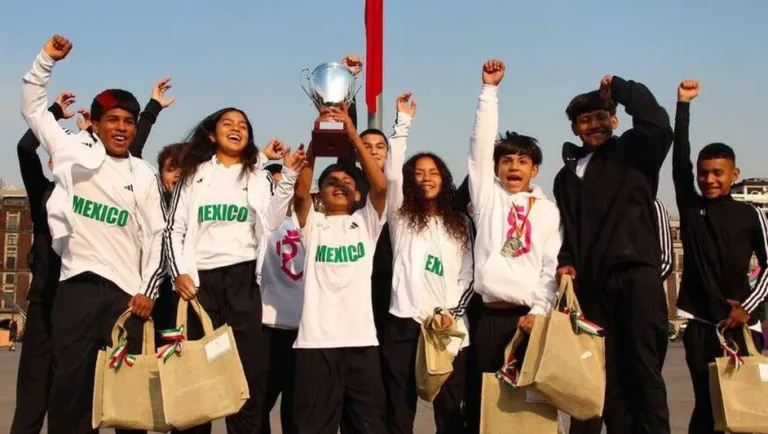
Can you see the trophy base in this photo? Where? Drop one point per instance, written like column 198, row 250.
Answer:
column 330, row 139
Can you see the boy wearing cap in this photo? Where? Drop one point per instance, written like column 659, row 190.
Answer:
column 106, row 224
column 605, row 193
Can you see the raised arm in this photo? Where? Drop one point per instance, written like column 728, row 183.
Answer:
column 682, row 168
column 148, row 117
column 651, row 134
column 284, row 194
column 378, row 183
column 481, row 168
column 393, row 167
column 31, row 168
column 302, row 199
column 35, row 97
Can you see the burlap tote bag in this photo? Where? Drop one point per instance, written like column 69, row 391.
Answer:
column 434, row 363
column 565, row 359
column 126, row 392
column 504, row 405
column 739, row 388
column 201, row 380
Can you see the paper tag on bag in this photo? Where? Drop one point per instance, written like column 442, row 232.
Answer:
column 217, row 347
column 534, row 396
column 764, row 372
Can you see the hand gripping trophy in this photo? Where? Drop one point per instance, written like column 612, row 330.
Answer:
column 331, row 84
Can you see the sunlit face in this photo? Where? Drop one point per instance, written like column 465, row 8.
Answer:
column 595, row 128
column 428, row 177
column 515, row 172
column 116, row 130
column 339, row 193
column 716, row 176
column 377, row 146
column 231, row 135
column 170, row 174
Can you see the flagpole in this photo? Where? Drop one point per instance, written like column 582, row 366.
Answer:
column 374, row 73
column 375, row 120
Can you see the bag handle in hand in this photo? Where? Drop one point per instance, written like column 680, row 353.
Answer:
column 181, row 317
column 566, row 289
column 147, row 343
column 749, row 342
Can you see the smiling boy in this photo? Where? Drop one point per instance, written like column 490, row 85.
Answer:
column 518, row 236
column 338, row 376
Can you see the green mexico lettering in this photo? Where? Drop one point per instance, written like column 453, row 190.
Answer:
column 222, row 213
column 341, row 254
column 434, row 265
column 96, row 211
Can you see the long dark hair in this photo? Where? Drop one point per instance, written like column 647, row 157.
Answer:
column 200, row 148
column 415, row 205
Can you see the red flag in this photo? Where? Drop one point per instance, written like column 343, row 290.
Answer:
column 374, row 52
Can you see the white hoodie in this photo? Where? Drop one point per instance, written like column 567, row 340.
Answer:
column 416, row 289
column 528, row 279
column 105, row 213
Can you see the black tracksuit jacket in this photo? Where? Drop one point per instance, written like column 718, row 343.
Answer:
column 608, row 216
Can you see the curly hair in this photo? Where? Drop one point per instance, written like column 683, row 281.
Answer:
column 415, row 205
column 200, row 148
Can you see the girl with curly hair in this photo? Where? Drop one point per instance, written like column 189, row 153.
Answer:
column 433, row 270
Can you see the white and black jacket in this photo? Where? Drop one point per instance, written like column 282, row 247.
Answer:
column 410, row 298
column 526, row 280
column 181, row 233
column 84, row 151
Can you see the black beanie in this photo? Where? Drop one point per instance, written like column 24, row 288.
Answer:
column 114, row 98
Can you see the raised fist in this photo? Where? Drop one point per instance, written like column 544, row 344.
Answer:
column 688, row 90
column 275, row 150
column 65, row 100
column 605, row 87
column 493, row 72
column 353, row 63
column 403, row 105
column 158, row 92
column 57, row 47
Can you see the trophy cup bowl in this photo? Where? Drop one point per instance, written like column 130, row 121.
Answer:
column 329, row 85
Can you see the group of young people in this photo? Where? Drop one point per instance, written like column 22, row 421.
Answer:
column 326, row 306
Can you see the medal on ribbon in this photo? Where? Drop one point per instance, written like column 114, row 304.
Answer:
column 513, row 246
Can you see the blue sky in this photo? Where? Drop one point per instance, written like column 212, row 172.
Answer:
column 249, row 54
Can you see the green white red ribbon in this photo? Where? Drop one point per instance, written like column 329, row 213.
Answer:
column 579, row 323
column 508, row 372
column 175, row 336
column 120, row 355
column 733, row 354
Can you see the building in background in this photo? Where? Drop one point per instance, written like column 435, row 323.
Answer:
column 15, row 242
column 753, row 191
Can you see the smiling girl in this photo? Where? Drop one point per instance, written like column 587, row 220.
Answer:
column 432, row 270
column 214, row 228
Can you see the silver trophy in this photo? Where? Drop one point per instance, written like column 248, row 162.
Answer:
column 329, row 85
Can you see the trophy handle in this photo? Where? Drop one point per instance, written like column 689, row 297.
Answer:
column 304, row 77
column 354, row 95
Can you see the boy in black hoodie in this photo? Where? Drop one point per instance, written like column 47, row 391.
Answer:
column 605, row 194
column 719, row 237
